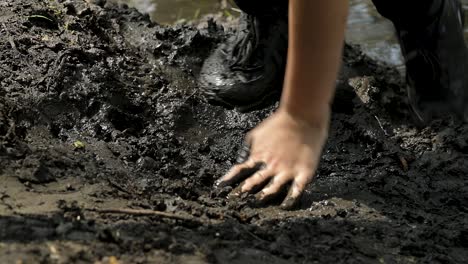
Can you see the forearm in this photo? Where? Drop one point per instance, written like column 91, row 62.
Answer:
column 316, row 37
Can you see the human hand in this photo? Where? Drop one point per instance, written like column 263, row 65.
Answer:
column 283, row 149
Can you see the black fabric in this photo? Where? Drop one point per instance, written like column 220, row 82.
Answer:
column 262, row 8
column 409, row 14
column 431, row 38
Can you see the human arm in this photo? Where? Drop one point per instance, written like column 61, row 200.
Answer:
column 290, row 142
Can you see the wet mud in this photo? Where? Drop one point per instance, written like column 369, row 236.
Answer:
column 108, row 154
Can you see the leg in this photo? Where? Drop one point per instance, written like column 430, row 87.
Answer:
column 436, row 58
column 246, row 71
column 263, row 7
column 409, row 14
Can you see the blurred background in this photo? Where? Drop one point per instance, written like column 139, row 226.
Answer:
column 365, row 26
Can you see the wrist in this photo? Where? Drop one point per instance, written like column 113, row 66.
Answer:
column 308, row 102
column 312, row 115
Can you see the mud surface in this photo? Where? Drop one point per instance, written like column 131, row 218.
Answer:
column 108, row 155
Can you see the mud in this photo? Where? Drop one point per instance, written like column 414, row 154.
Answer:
column 108, row 155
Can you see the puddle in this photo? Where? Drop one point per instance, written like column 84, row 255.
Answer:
column 365, row 26
column 374, row 33
column 171, row 11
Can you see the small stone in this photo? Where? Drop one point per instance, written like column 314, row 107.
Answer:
column 341, row 213
column 70, row 187
column 34, row 171
column 78, row 145
column 146, row 163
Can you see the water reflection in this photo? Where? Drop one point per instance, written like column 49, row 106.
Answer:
column 171, row 11
column 374, row 33
column 365, row 26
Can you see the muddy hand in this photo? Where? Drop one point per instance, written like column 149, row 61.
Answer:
column 284, row 150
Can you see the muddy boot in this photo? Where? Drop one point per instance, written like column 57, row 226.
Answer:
column 246, row 72
column 436, row 57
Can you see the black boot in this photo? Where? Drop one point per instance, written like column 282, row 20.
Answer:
column 436, row 60
column 246, row 72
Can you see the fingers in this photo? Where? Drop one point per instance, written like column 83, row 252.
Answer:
column 254, row 183
column 255, row 174
column 276, row 185
column 240, row 172
column 259, row 178
column 281, row 173
column 244, row 153
column 295, row 192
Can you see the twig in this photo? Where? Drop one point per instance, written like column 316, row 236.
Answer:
column 404, row 163
column 118, row 187
column 10, row 131
column 6, row 69
column 141, row 212
column 41, row 17
column 253, row 235
column 10, row 39
column 381, row 126
column 190, row 96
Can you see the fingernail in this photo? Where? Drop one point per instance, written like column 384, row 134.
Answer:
column 260, row 200
column 288, row 204
column 236, row 192
column 260, row 196
column 262, row 166
column 243, row 155
column 233, row 195
column 221, row 183
column 217, row 183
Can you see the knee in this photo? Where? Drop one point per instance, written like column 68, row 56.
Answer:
column 263, row 7
column 385, row 8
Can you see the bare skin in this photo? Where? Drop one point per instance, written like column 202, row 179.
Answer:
column 290, row 142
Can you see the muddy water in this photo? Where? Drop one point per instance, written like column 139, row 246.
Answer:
column 365, row 26
column 170, row 11
column 374, row 33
